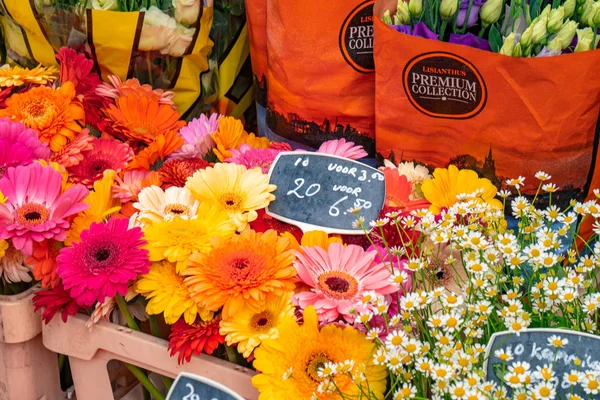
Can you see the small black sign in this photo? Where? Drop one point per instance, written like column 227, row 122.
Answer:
column 315, row 191
column 533, row 346
column 193, row 387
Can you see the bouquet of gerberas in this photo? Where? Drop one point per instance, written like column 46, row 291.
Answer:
column 513, row 28
column 439, row 298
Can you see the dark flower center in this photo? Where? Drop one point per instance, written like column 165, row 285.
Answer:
column 314, row 364
column 240, row 264
column 32, row 216
column 229, row 202
column 262, row 322
column 102, row 255
column 337, row 284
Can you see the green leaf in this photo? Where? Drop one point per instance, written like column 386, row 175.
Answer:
column 495, row 39
column 500, row 371
column 534, row 8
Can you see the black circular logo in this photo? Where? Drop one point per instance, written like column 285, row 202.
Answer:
column 356, row 38
column 444, row 85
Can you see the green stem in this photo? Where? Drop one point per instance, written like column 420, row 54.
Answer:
column 156, row 332
column 443, row 29
column 231, row 354
column 128, row 317
column 482, row 31
column 146, row 383
column 465, row 23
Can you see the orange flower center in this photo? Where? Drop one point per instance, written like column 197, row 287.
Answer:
column 262, row 322
column 314, row 364
column 176, row 209
column 338, row 284
column 36, row 111
column 32, row 214
column 231, row 202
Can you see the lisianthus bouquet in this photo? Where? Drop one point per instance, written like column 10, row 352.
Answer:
column 513, row 28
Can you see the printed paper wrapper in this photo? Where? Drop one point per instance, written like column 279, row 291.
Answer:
column 505, row 117
column 120, row 44
column 320, row 72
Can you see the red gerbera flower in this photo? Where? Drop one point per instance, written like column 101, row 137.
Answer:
column 175, row 172
column 265, row 222
column 188, row 340
column 77, row 69
column 53, row 301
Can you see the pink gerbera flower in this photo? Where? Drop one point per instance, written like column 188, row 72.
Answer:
column 35, row 208
column 338, row 277
column 106, row 154
column 197, row 137
column 108, row 256
column 19, row 145
column 252, row 158
column 342, row 148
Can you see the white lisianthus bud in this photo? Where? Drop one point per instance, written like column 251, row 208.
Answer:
column 402, row 16
column 555, row 19
column 448, row 8
column 585, row 37
column 518, row 51
column 187, row 11
column 387, row 18
column 540, row 30
column 564, row 37
column 509, row 45
column 490, row 12
column 415, row 7
column 181, row 40
column 112, row 5
column 526, row 36
column 569, row 7
column 588, row 13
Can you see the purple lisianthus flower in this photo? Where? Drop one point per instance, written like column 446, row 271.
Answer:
column 420, row 30
column 545, row 52
column 473, row 15
column 197, row 137
column 470, row 40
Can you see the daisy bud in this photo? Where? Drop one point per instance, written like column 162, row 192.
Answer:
column 448, row 8
column 490, row 12
column 564, row 37
column 527, row 35
column 509, row 45
column 569, row 7
column 415, row 7
column 555, row 19
column 584, row 40
column 402, row 16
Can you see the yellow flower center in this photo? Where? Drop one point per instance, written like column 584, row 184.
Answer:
column 338, row 284
column 231, row 202
column 35, row 110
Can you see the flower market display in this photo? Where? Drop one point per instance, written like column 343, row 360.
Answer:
column 468, row 285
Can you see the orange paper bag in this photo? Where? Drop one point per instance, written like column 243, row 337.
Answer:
column 320, row 72
column 505, row 117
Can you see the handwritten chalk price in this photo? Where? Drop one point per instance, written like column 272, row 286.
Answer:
column 315, row 191
column 194, row 387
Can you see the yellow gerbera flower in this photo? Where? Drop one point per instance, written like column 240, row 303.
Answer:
column 3, row 247
column 102, row 206
column 234, row 189
column 165, row 289
column 17, row 76
column 249, row 328
column 441, row 191
column 302, row 350
column 175, row 240
column 247, row 269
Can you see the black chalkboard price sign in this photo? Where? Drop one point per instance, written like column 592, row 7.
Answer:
column 193, row 387
column 533, row 347
column 316, row 191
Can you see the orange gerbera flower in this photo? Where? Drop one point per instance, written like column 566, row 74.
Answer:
column 142, row 118
column 153, row 156
column 247, row 269
column 70, row 155
column 231, row 135
column 43, row 260
column 54, row 113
